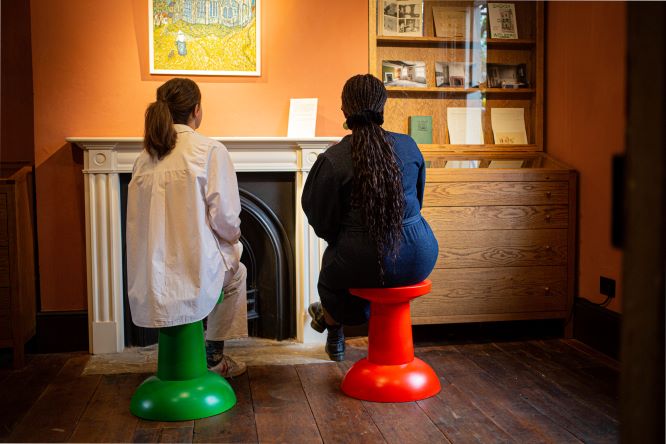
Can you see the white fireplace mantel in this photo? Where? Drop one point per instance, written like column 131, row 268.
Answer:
column 106, row 157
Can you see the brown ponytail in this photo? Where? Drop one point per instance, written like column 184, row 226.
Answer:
column 176, row 101
column 377, row 188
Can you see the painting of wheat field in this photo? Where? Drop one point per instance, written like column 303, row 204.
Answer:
column 205, row 37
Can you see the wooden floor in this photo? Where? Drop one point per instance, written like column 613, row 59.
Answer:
column 524, row 392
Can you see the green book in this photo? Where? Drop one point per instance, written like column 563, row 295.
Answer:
column 420, row 128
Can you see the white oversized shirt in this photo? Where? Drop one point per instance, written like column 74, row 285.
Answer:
column 183, row 228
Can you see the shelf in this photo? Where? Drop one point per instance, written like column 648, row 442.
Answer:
column 510, row 43
column 475, row 149
column 450, row 90
column 440, row 41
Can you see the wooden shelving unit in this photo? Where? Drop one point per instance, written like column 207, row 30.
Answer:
column 506, row 222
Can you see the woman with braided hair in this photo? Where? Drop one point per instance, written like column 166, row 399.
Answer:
column 363, row 196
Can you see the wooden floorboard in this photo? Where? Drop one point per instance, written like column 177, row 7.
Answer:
column 235, row 425
column 340, row 419
column 504, row 406
column 281, row 409
column 551, row 400
column 454, row 413
column 554, row 368
column 53, row 417
column 528, row 391
column 22, row 387
column 107, row 417
column 176, row 434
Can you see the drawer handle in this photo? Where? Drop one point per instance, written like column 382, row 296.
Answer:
column 546, row 291
column 548, row 194
column 548, row 248
column 548, row 217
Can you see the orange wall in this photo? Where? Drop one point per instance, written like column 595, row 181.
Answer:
column 90, row 76
column 585, row 122
column 16, row 113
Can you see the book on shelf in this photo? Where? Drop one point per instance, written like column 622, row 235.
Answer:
column 508, row 126
column 401, row 18
column 502, row 21
column 420, row 129
column 451, row 22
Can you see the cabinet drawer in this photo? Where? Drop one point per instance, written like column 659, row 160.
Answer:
column 501, row 248
column 497, row 217
column 458, row 194
column 493, row 291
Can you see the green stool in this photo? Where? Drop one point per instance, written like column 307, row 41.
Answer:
column 183, row 387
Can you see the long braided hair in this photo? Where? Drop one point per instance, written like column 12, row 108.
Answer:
column 377, row 187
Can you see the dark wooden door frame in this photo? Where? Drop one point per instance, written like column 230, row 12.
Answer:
column 642, row 348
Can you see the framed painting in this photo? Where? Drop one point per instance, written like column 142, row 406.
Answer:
column 205, row 37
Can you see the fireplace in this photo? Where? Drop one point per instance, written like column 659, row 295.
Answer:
column 281, row 301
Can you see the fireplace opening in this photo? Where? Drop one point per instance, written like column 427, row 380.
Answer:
column 268, row 238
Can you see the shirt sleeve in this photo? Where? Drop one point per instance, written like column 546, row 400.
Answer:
column 420, row 182
column 320, row 200
column 222, row 197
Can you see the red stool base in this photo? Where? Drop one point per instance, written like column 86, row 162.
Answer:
column 413, row 381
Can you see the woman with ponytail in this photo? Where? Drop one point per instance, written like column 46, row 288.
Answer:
column 183, row 227
column 363, row 196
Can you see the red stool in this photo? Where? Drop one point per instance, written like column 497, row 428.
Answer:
column 391, row 373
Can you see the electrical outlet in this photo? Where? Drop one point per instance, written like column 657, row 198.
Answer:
column 607, row 286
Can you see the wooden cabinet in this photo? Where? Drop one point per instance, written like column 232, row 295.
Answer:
column 504, row 214
column 506, row 242
column 17, row 261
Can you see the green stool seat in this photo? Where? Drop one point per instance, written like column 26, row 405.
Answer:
column 183, row 388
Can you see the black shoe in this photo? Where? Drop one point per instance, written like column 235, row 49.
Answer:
column 335, row 343
column 316, row 311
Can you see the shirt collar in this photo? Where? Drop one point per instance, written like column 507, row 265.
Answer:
column 180, row 128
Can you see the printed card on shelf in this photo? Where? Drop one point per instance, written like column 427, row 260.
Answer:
column 502, row 19
column 465, row 127
column 508, row 126
column 302, row 118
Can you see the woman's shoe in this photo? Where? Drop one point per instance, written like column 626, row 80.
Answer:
column 316, row 312
column 335, row 343
column 335, row 339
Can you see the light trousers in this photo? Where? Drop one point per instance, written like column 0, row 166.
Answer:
column 228, row 320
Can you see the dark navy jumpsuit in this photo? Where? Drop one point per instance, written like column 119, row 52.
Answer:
column 350, row 259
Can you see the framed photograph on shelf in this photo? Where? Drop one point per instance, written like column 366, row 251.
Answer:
column 403, row 73
column 451, row 22
column 456, row 75
column 220, row 37
column 507, row 76
column 502, row 20
column 401, row 18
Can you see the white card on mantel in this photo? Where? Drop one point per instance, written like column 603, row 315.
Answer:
column 302, row 118
column 465, row 126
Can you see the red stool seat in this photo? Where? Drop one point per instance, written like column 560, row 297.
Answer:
column 391, row 373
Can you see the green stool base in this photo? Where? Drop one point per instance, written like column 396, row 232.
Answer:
column 196, row 398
